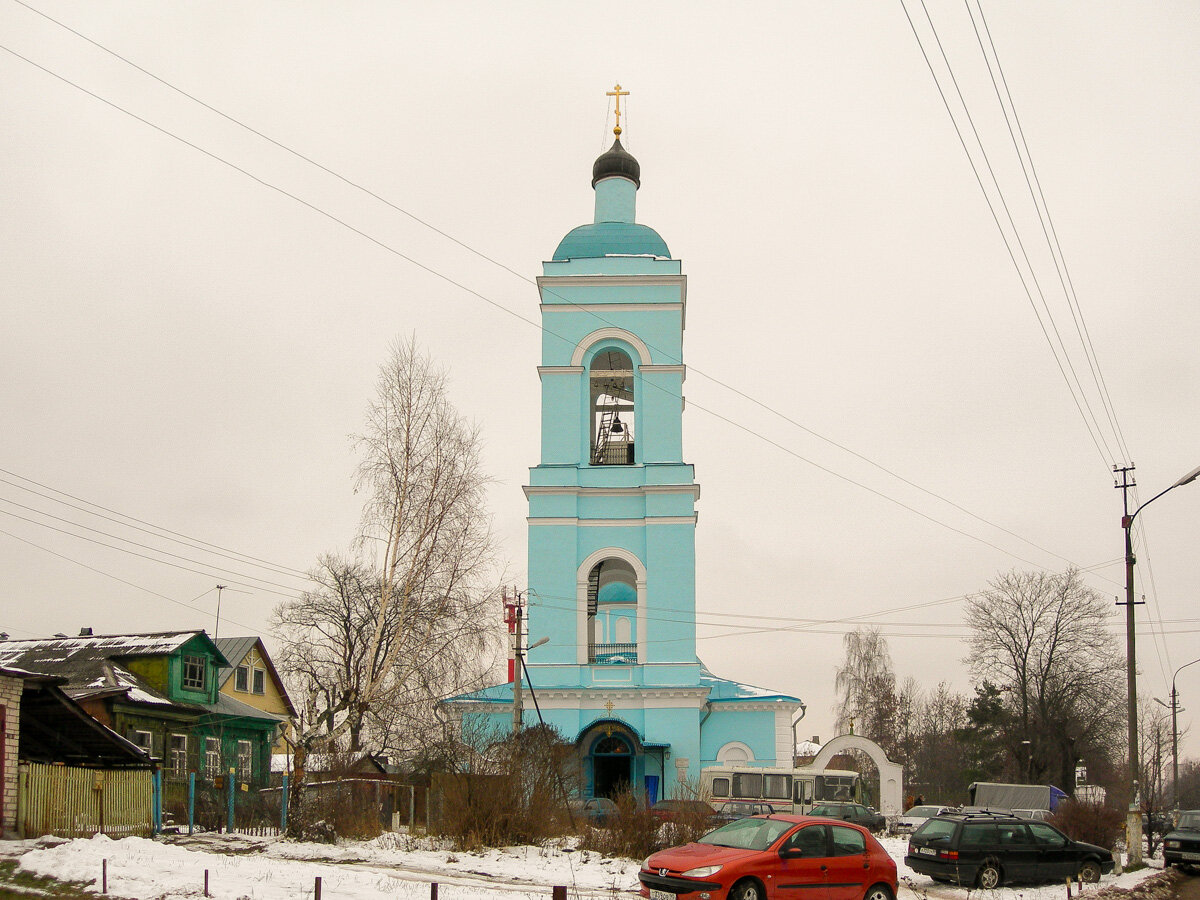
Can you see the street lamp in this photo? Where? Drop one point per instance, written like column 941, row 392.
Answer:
column 1174, row 707
column 1135, row 817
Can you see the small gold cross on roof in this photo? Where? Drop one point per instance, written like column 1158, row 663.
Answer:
column 609, row 706
column 618, row 93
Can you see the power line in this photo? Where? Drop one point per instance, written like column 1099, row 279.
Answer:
column 359, row 187
column 154, row 530
column 505, row 309
column 1093, row 431
column 1056, row 251
column 164, row 562
column 131, row 584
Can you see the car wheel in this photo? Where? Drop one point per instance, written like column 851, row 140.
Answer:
column 1089, row 871
column 989, row 876
column 879, row 892
column 746, row 889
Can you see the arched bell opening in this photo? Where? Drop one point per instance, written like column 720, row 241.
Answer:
column 612, row 408
column 612, row 613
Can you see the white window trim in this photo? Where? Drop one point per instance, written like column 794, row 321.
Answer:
column 722, row 754
column 245, row 762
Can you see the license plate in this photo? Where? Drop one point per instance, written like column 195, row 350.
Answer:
column 1189, row 855
column 927, row 851
column 661, row 895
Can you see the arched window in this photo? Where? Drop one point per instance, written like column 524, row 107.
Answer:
column 612, row 409
column 611, row 608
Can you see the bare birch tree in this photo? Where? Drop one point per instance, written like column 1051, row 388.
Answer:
column 390, row 632
column 866, row 687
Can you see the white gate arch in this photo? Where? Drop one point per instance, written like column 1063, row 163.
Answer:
column 891, row 775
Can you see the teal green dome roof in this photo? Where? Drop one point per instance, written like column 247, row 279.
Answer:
column 617, row 592
column 611, row 238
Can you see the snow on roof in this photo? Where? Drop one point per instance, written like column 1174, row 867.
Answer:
column 722, row 689
column 110, row 645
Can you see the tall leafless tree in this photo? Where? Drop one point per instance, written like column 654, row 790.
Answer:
column 866, row 687
column 1043, row 639
column 388, row 633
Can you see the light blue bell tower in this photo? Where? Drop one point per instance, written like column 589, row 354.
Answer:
column 612, row 520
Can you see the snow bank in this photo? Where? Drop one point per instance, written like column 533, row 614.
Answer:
column 396, row 867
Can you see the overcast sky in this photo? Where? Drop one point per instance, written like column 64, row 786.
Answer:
column 187, row 344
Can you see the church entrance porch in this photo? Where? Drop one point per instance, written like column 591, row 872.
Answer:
column 615, row 760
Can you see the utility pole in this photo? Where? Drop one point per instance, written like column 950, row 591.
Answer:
column 1174, row 744
column 1175, row 732
column 1133, row 826
column 217, row 625
column 517, row 651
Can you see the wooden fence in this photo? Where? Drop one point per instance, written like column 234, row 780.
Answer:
column 70, row 802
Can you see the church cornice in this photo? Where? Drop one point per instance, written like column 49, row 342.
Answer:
column 550, row 281
column 611, row 307
column 753, row 705
column 595, row 699
column 574, row 490
column 645, row 369
column 641, row 521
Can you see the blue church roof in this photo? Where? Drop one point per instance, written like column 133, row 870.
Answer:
column 722, row 689
column 611, row 239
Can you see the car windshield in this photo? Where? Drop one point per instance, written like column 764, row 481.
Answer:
column 748, row 834
column 1190, row 821
column 936, row 828
column 926, row 811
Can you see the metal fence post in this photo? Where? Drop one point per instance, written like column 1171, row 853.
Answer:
column 156, row 804
column 283, row 802
column 191, row 801
column 231, row 785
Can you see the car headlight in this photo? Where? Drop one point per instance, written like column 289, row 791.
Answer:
column 702, row 872
column 1172, row 845
column 646, row 863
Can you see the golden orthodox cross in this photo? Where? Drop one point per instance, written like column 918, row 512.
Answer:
column 618, row 93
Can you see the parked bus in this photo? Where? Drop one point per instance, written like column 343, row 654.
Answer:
column 786, row 790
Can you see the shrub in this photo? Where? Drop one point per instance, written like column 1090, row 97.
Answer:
column 632, row 832
column 1090, row 822
column 508, row 795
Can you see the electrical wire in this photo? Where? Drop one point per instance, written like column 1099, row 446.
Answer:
column 181, row 538
column 123, row 581
column 1093, row 431
column 495, row 304
column 207, row 574
column 1056, row 251
column 359, row 187
column 191, row 543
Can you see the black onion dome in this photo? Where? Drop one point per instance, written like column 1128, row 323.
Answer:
column 617, row 161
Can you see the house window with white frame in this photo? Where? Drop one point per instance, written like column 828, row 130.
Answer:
column 260, row 681
column 143, row 739
column 212, row 757
column 245, row 757
column 193, row 673
column 241, row 679
column 177, row 757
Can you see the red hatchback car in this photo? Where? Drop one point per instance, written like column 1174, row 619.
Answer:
column 772, row 858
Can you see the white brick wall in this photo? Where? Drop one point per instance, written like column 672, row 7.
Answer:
column 10, row 700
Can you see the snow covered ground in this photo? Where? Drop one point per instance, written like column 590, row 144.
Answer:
column 391, row 867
